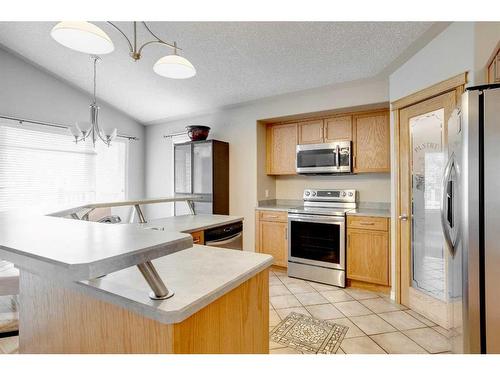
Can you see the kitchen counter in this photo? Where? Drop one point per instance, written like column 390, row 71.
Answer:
column 68, row 306
column 191, row 223
column 278, row 204
column 198, row 276
column 378, row 209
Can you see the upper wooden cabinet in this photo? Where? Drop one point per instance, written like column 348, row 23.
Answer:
column 311, row 132
column 338, row 129
column 281, row 149
column 369, row 132
column 371, row 142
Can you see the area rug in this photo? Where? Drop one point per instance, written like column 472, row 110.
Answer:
column 309, row 335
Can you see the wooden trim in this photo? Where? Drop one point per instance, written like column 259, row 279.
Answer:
column 430, row 92
column 326, row 117
column 397, row 253
column 368, row 286
column 492, row 58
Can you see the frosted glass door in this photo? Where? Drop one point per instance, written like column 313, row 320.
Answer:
column 427, row 167
column 182, row 173
column 202, row 168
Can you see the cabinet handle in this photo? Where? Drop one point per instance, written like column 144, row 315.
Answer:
column 348, row 240
column 365, row 223
column 354, row 161
column 196, row 240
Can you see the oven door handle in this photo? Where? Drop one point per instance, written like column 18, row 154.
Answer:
column 317, row 218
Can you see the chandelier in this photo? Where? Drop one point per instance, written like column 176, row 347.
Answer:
column 83, row 130
column 88, row 38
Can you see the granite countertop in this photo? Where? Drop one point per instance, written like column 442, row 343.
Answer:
column 278, row 204
column 198, row 276
column 191, row 223
column 78, row 249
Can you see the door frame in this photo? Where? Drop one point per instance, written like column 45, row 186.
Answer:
column 456, row 83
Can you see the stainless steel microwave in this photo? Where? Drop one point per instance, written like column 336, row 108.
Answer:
column 324, row 158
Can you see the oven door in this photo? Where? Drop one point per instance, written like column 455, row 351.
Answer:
column 317, row 240
column 325, row 158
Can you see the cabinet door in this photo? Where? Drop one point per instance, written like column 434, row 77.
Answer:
column 368, row 256
column 372, row 143
column 311, row 132
column 273, row 241
column 338, row 129
column 202, row 168
column 182, row 168
column 281, row 149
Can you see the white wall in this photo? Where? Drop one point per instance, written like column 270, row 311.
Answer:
column 29, row 92
column 238, row 127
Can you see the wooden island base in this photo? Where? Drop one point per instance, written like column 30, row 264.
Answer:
column 58, row 320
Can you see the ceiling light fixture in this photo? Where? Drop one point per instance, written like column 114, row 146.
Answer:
column 86, row 37
column 82, row 130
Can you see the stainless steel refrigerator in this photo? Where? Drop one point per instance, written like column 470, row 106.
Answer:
column 202, row 168
column 471, row 221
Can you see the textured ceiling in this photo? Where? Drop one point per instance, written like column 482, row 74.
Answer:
column 235, row 62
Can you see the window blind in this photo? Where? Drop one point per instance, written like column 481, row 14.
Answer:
column 46, row 171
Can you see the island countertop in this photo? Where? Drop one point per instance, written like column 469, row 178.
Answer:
column 79, row 249
column 198, row 276
column 191, row 223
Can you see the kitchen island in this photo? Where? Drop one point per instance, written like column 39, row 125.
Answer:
column 82, row 289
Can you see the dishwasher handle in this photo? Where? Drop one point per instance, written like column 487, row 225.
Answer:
column 224, row 241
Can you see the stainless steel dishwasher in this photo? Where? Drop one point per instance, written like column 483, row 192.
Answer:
column 229, row 236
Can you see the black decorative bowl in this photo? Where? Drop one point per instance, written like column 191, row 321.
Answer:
column 197, row 132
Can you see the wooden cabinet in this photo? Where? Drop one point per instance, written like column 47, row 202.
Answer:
column 281, row 149
column 368, row 254
column 198, row 237
column 271, row 232
column 371, row 142
column 338, row 129
column 311, row 132
column 368, row 131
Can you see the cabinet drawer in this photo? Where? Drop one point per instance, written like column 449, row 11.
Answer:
column 281, row 216
column 368, row 222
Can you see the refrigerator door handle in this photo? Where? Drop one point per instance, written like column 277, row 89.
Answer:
column 447, row 221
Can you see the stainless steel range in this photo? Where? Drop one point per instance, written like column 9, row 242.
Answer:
column 316, row 247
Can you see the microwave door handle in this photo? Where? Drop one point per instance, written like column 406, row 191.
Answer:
column 446, row 204
column 337, row 157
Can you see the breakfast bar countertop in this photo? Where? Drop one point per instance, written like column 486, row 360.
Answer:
column 198, row 276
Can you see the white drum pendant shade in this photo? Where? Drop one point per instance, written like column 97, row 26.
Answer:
column 82, row 36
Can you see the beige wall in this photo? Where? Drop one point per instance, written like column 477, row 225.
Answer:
column 238, row 126
column 373, row 187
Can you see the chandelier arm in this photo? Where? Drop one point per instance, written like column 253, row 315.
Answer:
column 160, row 40
column 157, row 42
column 124, row 35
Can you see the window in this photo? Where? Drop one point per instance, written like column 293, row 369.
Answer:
column 45, row 171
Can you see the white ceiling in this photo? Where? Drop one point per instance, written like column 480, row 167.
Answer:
column 235, row 62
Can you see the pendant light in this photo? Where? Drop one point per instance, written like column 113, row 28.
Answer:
column 82, row 36
column 86, row 37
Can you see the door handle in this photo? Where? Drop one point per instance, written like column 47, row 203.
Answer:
column 337, row 157
column 403, row 217
column 446, row 204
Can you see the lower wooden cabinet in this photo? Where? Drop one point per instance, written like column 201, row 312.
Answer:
column 271, row 232
column 368, row 251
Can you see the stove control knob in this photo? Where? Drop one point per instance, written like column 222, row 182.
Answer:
column 307, row 193
column 343, row 193
column 350, row 193
column 313, row 193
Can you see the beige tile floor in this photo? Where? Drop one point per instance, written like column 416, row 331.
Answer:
column 376, row 324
